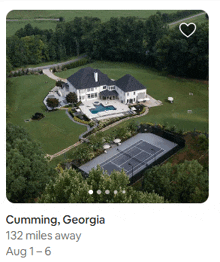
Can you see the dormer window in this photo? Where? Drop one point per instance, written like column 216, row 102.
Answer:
column 96, row 76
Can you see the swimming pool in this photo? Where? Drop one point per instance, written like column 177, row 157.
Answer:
column 101, row 108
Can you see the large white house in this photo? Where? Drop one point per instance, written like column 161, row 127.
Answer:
column 89, row 84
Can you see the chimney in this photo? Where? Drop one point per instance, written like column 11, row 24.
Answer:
column 96, row 76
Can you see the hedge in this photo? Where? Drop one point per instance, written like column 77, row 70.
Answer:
column 80, row 121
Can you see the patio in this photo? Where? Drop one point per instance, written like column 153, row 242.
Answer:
column 120, row 109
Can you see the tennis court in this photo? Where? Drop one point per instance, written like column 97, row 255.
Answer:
column 133, row 155
column 133, row 158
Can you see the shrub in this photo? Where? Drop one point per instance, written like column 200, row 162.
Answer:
column 37, row 116
column 203, row 142
column 80, row 120
column 61, row 19
column 71, row 97
column 173, row 128
column 52, row 102
column 59, row 83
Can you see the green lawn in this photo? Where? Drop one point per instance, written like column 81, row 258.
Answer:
column 69, row 15
column 104, row 15
column 55, row 132
column 160, row 87
column 197, row 20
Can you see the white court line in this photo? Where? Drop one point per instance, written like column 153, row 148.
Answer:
column 119, row 154
column 148, row 158
column 110, row 161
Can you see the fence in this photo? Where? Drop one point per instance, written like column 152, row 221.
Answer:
column 166, row 135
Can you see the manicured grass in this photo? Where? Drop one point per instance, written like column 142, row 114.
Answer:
column 56, row 131
column 160, row 88
column 68, row 15
column 24, row 98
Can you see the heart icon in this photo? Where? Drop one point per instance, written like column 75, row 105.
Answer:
column 187, row 29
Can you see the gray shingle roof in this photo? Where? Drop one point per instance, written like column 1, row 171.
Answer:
column 84, row 78
column 128, row 83
column 109, row 93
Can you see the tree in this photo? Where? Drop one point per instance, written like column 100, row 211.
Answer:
column 119, row 39
column 70, row 187
column 121, row 132
column 97, row 141
column 8, row 66
column 155, row 29
column 34, row 48
column 82, row 153
column 61, row 19
column 73, row 36
column 27, row 170
column 52, row 102
column 71, row 98
column 16, row 51
column 182, row 183
column 180, row 56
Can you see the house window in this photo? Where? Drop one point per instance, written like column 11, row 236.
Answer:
column 112, row 87
column 96, row 95
column 92, row 95
column 88, row 95
column 127, row 94
column 92, row 89
column 104, row 87
column 88, row 89
column 134, row 93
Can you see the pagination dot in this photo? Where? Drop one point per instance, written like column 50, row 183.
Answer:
column 90, row 191
column 107, row 191
column 99, row 192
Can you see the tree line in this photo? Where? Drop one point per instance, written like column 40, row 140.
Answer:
column 32, row 45
column 129, row 39
column 29, row 178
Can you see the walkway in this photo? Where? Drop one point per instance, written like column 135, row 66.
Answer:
column 53, row 65
column 48, row 73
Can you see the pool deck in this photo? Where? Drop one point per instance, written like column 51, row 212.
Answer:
column 148, row 137
column 121, row 109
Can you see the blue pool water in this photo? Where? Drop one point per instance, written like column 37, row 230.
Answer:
column 101, row 108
